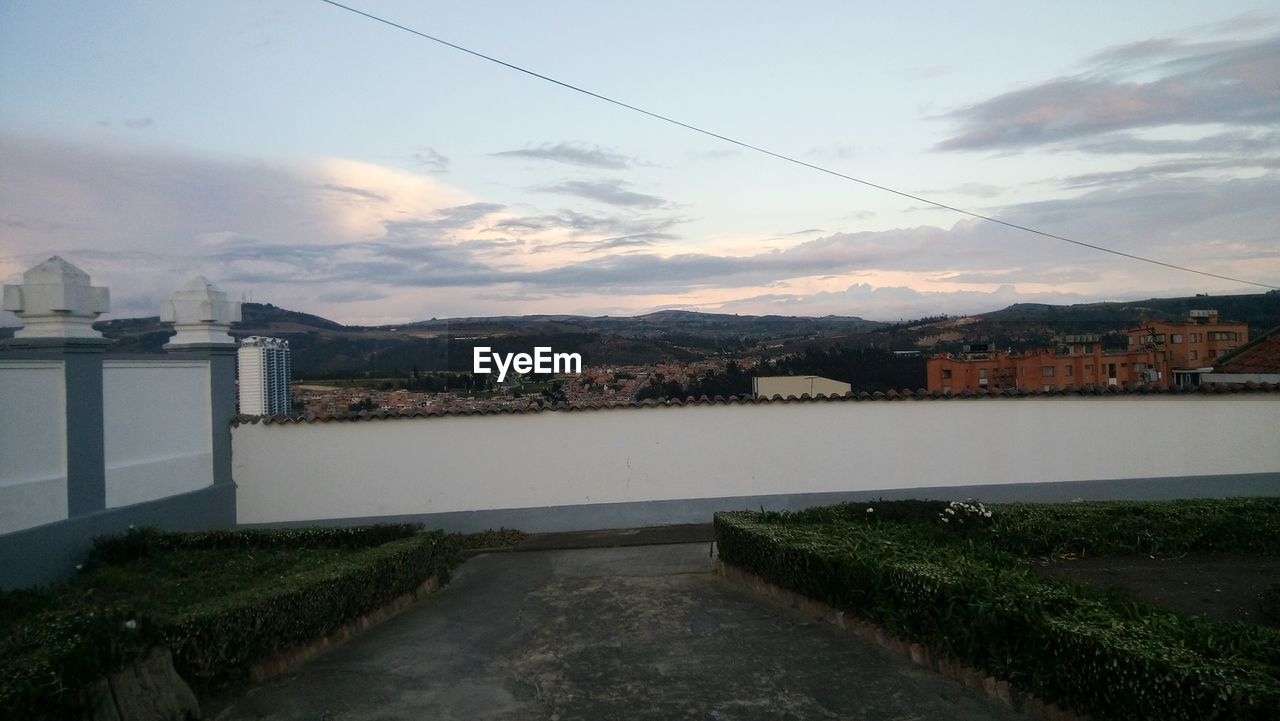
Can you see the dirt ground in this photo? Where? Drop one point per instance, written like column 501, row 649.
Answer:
column 1221, row 586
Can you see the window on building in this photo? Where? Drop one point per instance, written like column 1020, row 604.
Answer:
column 1193, row 355
column 946, row 373
column 1168, row 355
column 1177, row 337
column 982, row 373
column 1195, row 337
column 1071, row 370
column 1088, row 367
column 1047, row 371
column 1048, row 386
column 1137, row 367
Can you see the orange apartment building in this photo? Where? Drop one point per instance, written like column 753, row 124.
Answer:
column 1190, row 348
column 1078, row 363
column 1160, row 354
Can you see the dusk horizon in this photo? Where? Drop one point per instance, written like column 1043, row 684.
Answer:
column 384, row 179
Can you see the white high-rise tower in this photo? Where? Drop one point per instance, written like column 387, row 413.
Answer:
column 264, row 371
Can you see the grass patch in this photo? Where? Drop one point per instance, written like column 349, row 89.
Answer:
column 220, row 601
column 960, row 586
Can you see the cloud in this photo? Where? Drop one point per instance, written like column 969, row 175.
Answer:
column 1250, row 20
column 572, row 154
column 432, row 160
column 453, row 218
column 350, row 295
column 609, row 191
column 1021, row 275
column 353, row 191
column 1230, row 83
column 1239, row 142
column 576, row 223
column 627, row 242
column 1145, row 173
column 456, row 266
column 331, row 236
column 138, row 123
column 889, row 302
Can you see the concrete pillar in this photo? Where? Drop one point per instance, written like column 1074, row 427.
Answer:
column 202, row 316
column 57, row 307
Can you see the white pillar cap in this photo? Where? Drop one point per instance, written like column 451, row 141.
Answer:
column 55, row 300
column 201, row 314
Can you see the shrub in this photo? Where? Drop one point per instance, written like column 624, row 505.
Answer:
column 141, row 542
column 48, row 657
column 970, row 601
column 1250, row 525
column 219, row 641
column 217, row 620
column 1271, row 603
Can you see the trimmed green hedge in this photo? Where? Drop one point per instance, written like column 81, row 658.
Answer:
column 144, row 541
column 220, row 640
column 274, row 591
column 1094, row 528
column 1249, row 525
column 972, row 601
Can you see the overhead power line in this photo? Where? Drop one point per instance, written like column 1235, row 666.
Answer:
column 783, row 157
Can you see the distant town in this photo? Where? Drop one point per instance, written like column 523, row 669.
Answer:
column 303, row 365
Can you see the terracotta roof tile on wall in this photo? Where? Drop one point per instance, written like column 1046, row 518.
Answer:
column 1208, row 389
column 1261, row 355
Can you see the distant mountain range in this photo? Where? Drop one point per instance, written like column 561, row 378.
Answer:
column 324, row 348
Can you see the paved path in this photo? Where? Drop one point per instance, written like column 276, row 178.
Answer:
column 598, row 634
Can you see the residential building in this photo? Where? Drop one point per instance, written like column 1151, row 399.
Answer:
column 263, row 372
column 1160, row 354
column 1255, row 362
column 1077, row 361
column 1185, row 350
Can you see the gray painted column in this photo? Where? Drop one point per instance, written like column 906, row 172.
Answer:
column 86, row 449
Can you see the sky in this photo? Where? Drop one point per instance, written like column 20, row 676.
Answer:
column 298, row 154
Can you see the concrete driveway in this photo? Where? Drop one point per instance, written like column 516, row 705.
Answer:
column 615, row 633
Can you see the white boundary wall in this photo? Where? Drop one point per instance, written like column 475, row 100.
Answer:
column 337, row 470
column 33, row 446
column 157, row 431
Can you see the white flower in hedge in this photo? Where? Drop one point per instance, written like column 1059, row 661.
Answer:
column 951, row 512
column 871, row 510
column 945, row 519
column 131, row 624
